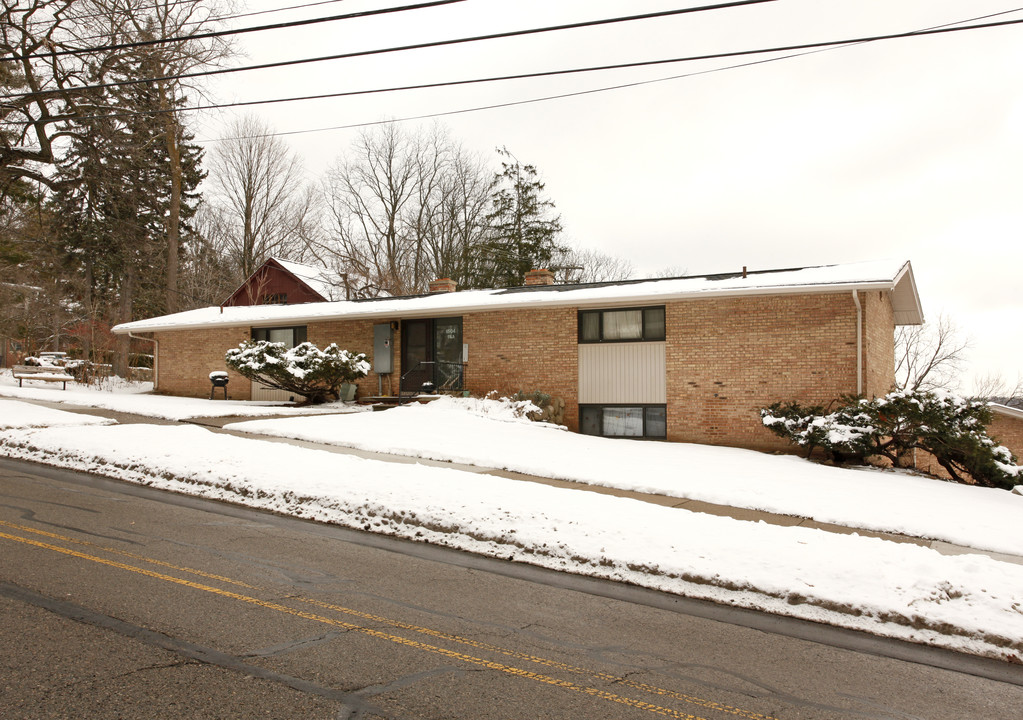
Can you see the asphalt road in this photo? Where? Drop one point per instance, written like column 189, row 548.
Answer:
column 125, row 602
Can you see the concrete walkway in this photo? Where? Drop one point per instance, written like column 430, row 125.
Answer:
column 216, row 424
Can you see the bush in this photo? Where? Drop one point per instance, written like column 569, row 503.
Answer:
column 304, row 369
column 951, row 428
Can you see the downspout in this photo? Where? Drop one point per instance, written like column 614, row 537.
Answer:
column 859, row 343
column 156, row 356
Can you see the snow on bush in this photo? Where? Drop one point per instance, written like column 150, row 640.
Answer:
column 951, row 428
column 503, row 409
column 304, row 369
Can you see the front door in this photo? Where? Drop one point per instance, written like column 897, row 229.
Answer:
column 416, row 354
column 431, row 352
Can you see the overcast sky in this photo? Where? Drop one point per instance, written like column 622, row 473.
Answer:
column 909, row 148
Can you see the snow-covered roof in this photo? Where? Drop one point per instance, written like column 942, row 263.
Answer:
column 316, row 278
column 894, row 277
column 1006, row 410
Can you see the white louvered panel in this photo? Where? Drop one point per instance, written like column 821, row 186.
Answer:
column 263, row 392
column 622, row 373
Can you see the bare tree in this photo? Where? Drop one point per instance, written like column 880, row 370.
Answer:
column 258, row 192
column 61, row 47
column 581, row 265
column 37, row 99
column 996, row 388
column 375, row 195
column 929, row 356
column 458, row 226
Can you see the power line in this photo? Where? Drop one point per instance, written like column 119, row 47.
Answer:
column 239, row 31
column 813, row 47
column 402, row 48
column 211, row 18
column 550, row 73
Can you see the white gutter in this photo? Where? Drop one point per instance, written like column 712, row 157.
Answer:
column 859, row 342
column 156, row 355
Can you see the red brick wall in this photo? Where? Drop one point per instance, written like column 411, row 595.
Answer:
column 511, row 350
column 729, row 357
column 187, row 357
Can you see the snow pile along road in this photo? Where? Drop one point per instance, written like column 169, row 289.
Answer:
column 465, row 431
column 968, row 603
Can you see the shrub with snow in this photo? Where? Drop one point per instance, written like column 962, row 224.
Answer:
column 304, row 369
column 951, row 428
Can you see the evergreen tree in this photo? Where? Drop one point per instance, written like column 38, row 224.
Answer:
column 113, row 198
column 950, row 428
column 523, row 228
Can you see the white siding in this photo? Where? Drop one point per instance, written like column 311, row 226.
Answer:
column 622, row 373
column 262, row 392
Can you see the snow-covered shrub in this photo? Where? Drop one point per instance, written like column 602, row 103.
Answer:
column 304, row 369
column 950, row 428
column 546, row 408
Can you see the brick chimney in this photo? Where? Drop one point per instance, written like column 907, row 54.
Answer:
column 442, row 285
column 542, row 276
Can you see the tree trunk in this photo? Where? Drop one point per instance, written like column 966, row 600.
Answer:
column 174, row 211
column 124, row 341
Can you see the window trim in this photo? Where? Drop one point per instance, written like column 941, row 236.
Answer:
column 643, row 406
column 600, row 325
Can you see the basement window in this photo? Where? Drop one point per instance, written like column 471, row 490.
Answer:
column 639, row 421
column 624, row 325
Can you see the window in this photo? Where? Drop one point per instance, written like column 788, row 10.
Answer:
column 275, row 299
column 290, row 336
column 627, row 325
column 640, row 421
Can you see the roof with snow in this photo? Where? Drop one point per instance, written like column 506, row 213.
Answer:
column 316, row 278
column 894, row 277
column 1001, row 409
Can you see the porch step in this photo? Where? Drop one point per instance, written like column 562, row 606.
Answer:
column 387, row 401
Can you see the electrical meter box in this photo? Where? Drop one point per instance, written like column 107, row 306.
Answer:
column 383, row 349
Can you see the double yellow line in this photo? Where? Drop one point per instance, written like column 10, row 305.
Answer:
column 389, row 637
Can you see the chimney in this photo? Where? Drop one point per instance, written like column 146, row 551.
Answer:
column 442, row 285
column 540, row 277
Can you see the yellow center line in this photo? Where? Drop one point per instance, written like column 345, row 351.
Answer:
column 645, row 687
column 692, row 699
column 451, row 654
column 124, row 553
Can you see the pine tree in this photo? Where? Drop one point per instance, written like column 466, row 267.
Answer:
column 523, row 227
column 113, row 198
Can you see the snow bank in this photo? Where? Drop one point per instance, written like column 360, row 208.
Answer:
column 15, row 414
column 869, row 499
column 967, row 603
column 134, row 400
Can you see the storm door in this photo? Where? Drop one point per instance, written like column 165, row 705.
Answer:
column 431, row 355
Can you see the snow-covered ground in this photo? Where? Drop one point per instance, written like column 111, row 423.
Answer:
column 467, row 431
column 120, row 396
column 968, row 602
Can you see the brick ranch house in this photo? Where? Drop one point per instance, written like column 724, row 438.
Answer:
column 689, row 359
